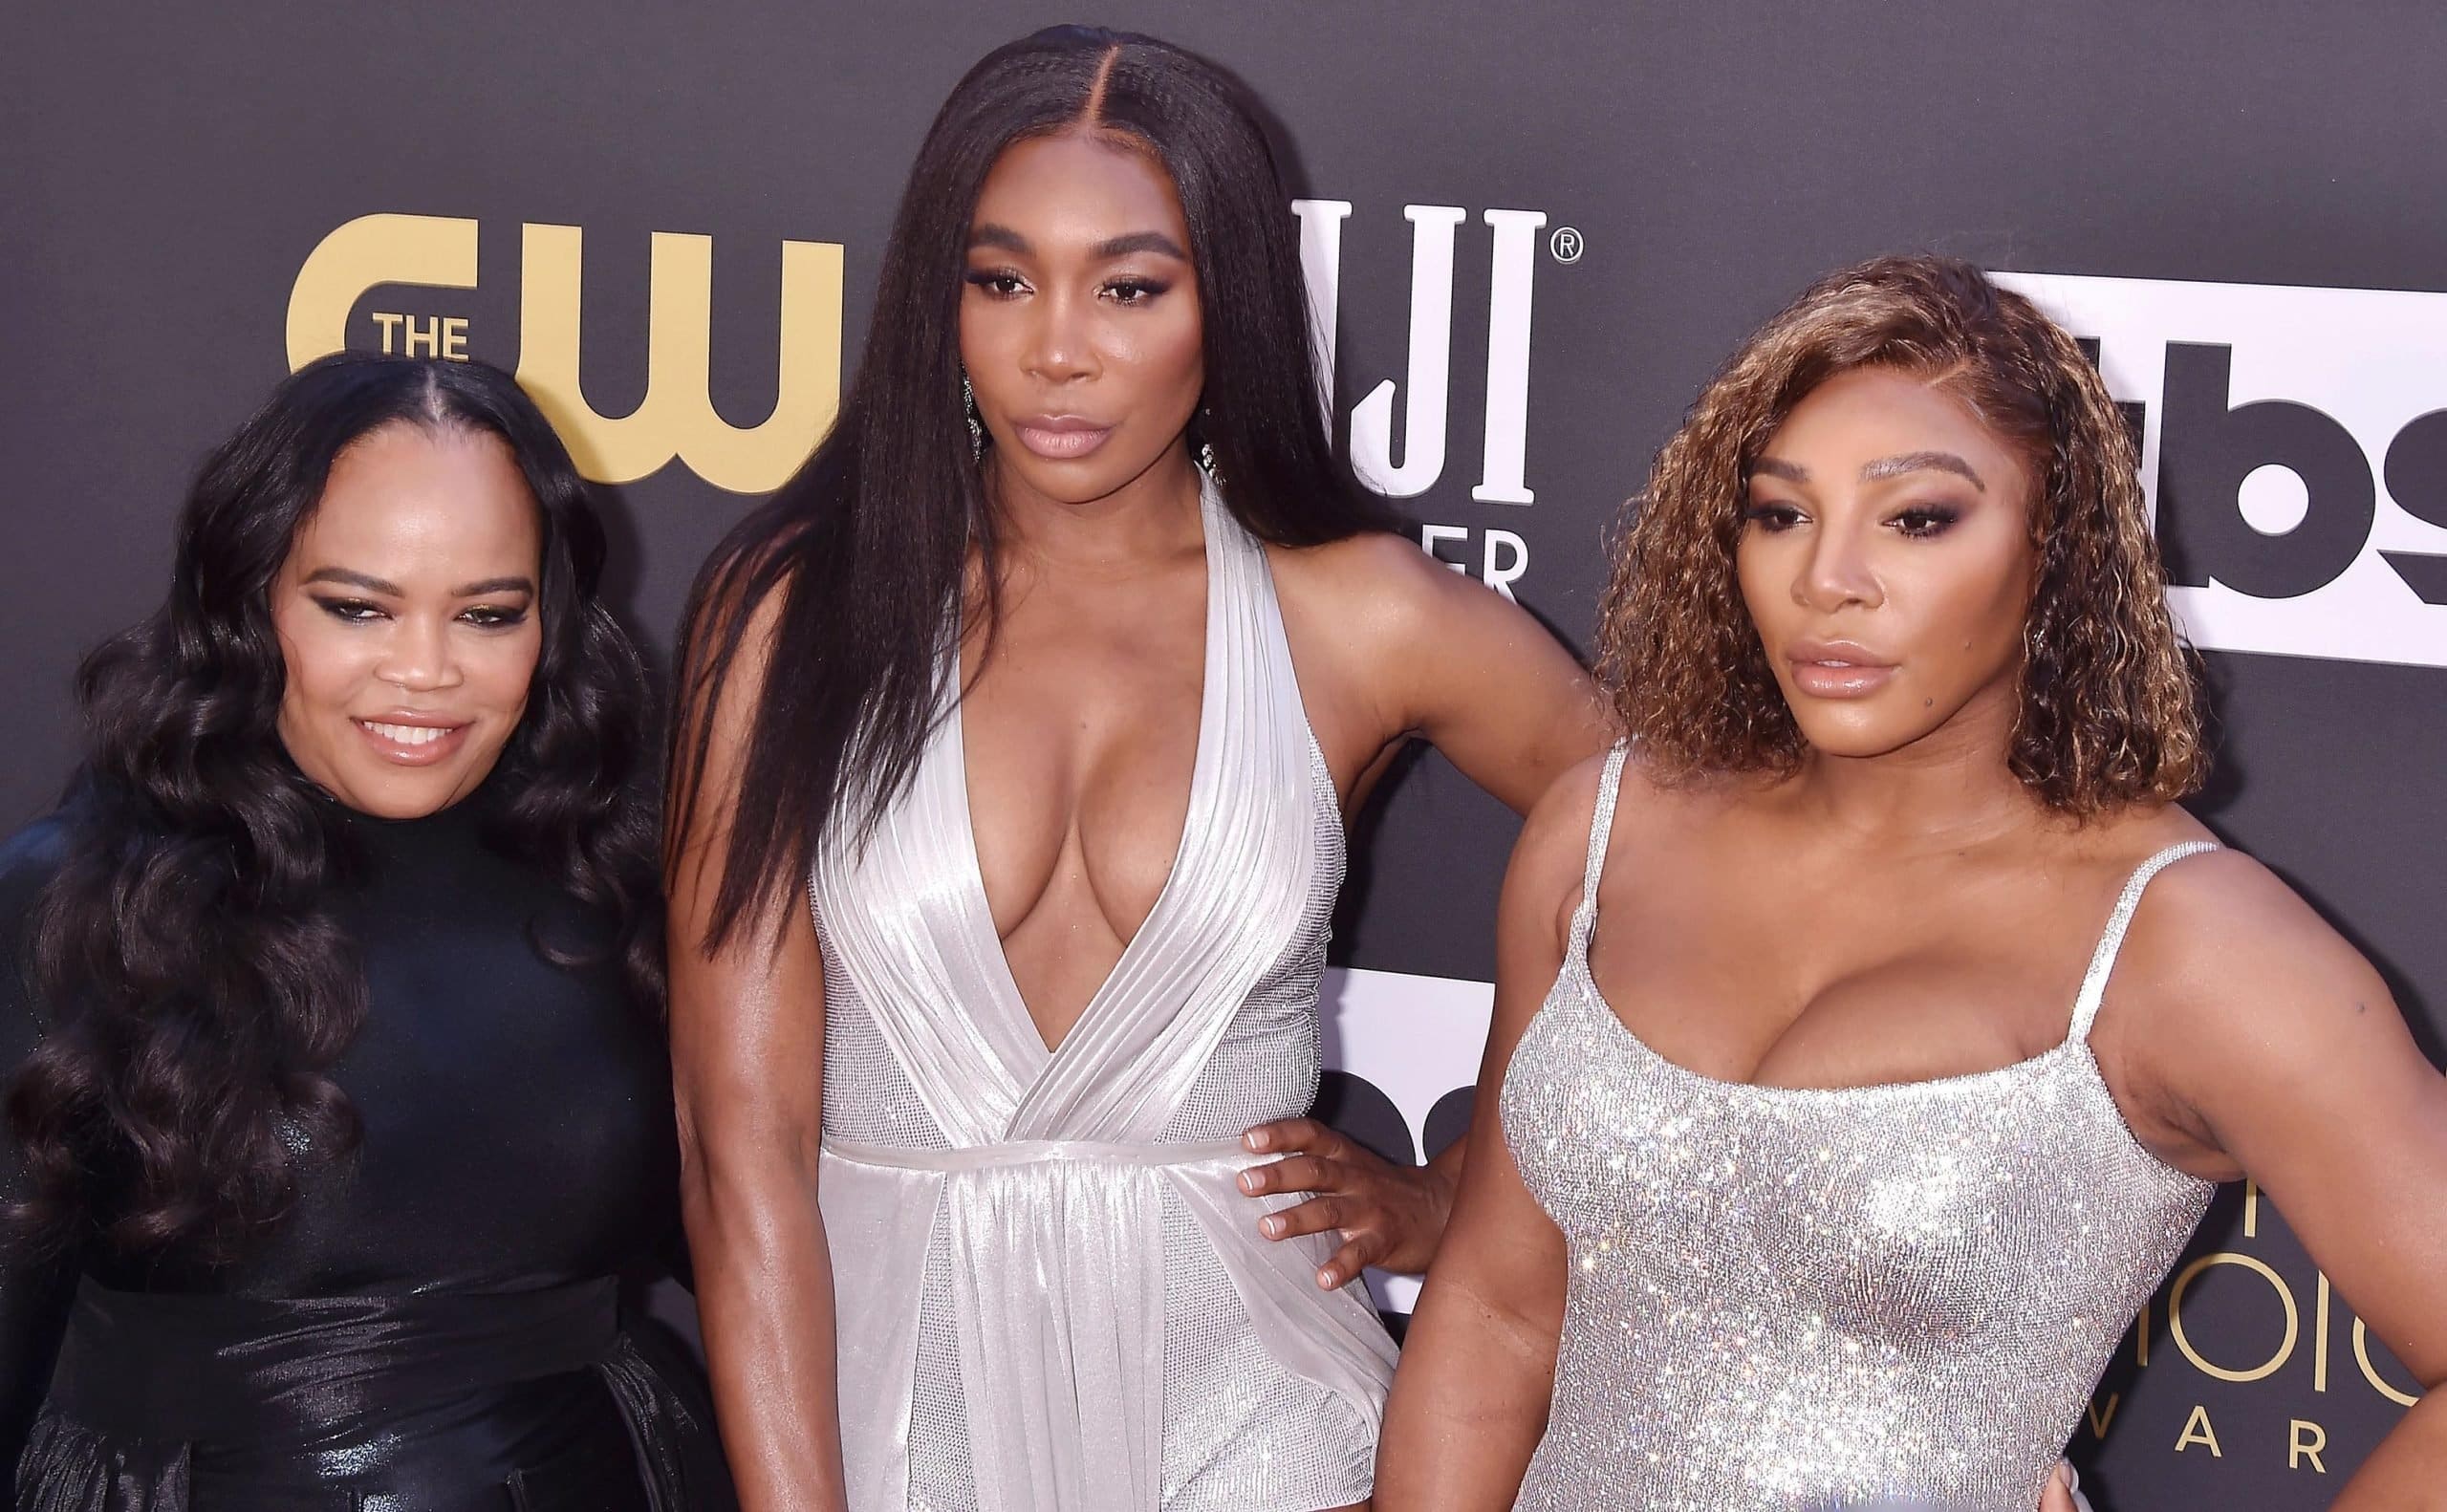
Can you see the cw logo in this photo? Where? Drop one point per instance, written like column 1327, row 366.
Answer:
column 677, row 416
column 2294, row 446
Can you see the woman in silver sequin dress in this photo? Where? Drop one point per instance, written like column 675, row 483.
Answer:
column 1813, row 1168
column 1053, row 717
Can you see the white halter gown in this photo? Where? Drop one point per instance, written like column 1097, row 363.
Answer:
column 1051, row 1295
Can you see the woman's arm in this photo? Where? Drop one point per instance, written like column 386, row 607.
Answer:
column 2273, row 1048
column 747, row 1052
column 1470, row 1398
column 1413, row 650
column 1400, row 648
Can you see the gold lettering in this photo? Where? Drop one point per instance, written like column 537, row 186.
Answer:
column 2319, row 1337
column 390, row 324
column 2175, row 1316
column 2251, row 1208
column 2198, row 1431
column 2370, row 1371
column 2306, row 1442
column 434, row 251
column 677, row 416
column 426, row 341
column 2099, row 1420
column 454, row 339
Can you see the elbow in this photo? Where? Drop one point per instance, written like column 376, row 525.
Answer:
column 743, row 1185
column 1520, row 1323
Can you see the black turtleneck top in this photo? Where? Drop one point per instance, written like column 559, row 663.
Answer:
column 516, row 1113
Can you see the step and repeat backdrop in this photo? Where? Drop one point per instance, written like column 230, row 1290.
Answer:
column 1534, row 231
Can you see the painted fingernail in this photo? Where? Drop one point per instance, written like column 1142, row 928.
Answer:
column 1249, row 1181
column 1326, row 1278
column 1273, row 1227
column 1255, row 1139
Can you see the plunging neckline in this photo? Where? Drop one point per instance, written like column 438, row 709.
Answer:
column 973, row 865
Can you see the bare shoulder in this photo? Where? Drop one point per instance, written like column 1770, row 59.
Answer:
column 1554, row 837
column 2248, row 1032
column 1559, row 820
column 2220, row 928
column 1378, row 579
column 2226, row 947
column 1370, row 559
column 1542, row 883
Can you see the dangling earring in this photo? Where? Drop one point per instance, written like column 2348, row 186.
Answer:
column 976, row 426
column 1205, row 455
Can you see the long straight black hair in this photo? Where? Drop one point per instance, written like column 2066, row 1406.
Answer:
column 856, row 563
column 198, row 988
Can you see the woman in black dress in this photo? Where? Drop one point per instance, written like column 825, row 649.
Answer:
column 342, row 1111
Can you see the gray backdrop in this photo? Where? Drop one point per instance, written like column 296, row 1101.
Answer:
column 169, row 171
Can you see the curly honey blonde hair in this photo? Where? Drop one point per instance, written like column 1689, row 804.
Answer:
column 2109, row 709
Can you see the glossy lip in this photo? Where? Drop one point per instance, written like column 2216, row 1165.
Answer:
column 430, row 753
column 1060, row 438
column 1837, row 669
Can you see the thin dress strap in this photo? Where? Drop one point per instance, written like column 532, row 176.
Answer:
column 1601, row 828
column 2085, row 1007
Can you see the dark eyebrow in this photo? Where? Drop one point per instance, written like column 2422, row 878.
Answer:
column 1920, row 462
column 1140, row 242
column 986, row 233
column 342, row 574
column 495, row 585
column 1776, row 467
column 384, row 585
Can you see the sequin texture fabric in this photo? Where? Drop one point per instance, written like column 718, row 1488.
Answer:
column 1791, row 1300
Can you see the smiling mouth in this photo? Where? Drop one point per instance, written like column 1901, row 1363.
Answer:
column 406, row 734
column 411, row 744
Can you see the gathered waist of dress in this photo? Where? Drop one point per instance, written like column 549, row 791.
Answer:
column 173, row 1366
column 1040, row 1152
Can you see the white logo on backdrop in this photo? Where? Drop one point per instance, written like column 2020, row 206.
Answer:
column 1427, row 378
column 1415, row 1039
column 2294, row 448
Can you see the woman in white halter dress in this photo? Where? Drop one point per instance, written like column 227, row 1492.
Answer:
column 966, row 1041
column 1050, row 1285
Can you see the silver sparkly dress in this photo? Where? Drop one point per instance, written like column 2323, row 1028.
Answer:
column 1786, row 1299
column 1049, row 1293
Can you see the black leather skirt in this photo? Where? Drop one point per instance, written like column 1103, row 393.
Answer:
column 531, row 1401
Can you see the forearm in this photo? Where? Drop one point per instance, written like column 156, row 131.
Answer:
column 2408, row 1472
column 1448, row 1164
column 765, row 1303
column 1468, row 1407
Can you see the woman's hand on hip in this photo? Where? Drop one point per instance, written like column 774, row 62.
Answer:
column 1389, row 1216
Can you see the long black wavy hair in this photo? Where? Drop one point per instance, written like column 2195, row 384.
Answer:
column 859, row 562
column 197, row 988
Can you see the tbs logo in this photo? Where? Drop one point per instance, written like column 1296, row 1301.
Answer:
column 2294, row 448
